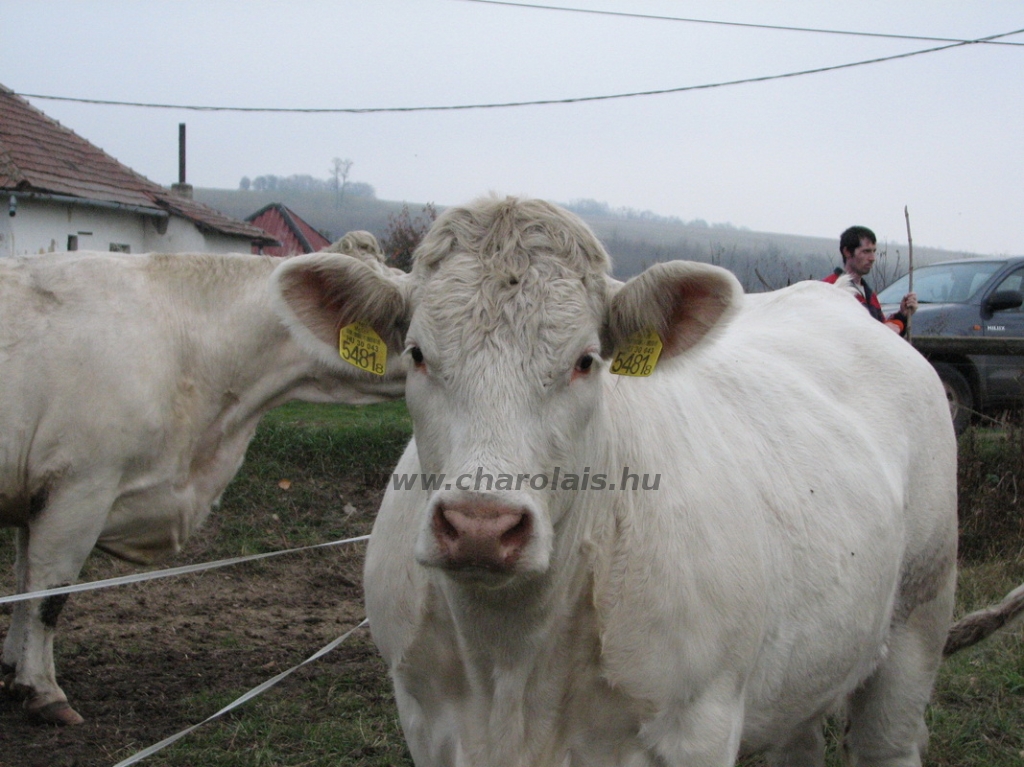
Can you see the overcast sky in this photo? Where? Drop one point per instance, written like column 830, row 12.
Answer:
column 939, row 132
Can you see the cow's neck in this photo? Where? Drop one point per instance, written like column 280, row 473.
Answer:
column 242, row 364
column 517, row 676
column 530, row 648
column 233, row 399
column 230, row 360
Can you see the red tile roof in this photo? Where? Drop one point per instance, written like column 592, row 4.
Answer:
column 38, row 154
column 295, row 235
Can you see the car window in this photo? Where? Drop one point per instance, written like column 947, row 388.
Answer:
column 977, row 280
column 943, row 283
column 1013, row 281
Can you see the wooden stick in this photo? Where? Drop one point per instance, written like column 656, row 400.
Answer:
column 910, row 262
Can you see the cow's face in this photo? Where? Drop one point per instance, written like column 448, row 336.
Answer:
column 504, row 358
column 510, row 323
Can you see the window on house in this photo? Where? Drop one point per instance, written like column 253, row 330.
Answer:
column 72, row 242
column 118, row 247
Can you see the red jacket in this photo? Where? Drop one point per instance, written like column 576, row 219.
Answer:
column 870, row 302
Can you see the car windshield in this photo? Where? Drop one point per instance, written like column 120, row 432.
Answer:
column 943, row 283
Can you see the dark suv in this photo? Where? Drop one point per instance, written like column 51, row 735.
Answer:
column 970, row 309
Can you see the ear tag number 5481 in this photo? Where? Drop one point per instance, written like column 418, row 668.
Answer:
column 638, row 355
column 359, row 345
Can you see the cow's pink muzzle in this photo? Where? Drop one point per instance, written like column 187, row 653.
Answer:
column 480, row 535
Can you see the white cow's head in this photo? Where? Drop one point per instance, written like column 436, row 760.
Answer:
column 507, row 325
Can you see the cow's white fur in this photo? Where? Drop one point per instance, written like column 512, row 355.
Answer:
column 798, row 555
column 131, row 387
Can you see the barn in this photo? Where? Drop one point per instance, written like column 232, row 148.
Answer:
column 295, row 234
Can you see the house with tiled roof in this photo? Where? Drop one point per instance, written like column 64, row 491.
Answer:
column 59, row 192
column 288, row 228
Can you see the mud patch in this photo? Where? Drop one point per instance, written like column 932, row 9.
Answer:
column 133, row 659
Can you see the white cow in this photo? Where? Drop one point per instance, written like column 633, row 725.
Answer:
column 364, row 246
column 761, row 531
column 130, row 387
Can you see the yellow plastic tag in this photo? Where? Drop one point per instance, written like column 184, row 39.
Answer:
column 638, row 355
column 359, row 345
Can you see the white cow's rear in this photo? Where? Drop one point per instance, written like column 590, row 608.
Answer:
column 785, row 544
column 130, row 387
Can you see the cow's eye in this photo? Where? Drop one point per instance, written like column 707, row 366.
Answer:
column 417, row 355
column 584, row 363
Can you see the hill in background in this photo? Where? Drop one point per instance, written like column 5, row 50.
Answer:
column 635, row 240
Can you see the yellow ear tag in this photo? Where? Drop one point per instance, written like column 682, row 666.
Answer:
column 638, row 355
column 359, row 345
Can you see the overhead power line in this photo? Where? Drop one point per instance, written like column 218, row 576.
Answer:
column 509, row 104
column 748, row 25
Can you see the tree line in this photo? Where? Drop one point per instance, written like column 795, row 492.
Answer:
column 336, row 183
column 305, row 183
column 589, row 208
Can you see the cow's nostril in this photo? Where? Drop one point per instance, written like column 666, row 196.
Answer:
column 519, row 534
column 443, row 526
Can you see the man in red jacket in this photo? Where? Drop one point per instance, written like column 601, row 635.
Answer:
column 858, row 247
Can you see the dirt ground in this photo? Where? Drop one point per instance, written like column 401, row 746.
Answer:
column 127, row 657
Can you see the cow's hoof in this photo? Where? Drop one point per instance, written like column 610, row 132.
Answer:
column 58, row 712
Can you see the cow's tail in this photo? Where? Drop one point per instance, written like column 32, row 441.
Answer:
column 981, row 624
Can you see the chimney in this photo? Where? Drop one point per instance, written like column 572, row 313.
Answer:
column 181, row 188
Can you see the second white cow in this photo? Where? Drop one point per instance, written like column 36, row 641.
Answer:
column 644, row 572
column 130, row 387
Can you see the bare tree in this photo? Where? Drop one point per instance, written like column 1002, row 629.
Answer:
column 339, row 178
column 404, row 234
column 887, row 269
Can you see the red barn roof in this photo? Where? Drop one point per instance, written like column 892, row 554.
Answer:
column 295, row 235
column 38, row 155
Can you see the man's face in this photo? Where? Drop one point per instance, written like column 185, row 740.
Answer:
column 862, row 259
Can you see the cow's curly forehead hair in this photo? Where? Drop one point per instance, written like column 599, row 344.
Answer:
column 522, row 276
column 507, row 234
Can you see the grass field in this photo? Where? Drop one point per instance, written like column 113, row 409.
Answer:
column 339, row 710
column 315, row 473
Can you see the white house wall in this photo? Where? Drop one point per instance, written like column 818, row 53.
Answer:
column 222, row 243
column 44, row 226
column 182, row 236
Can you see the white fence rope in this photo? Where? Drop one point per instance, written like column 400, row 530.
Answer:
column 260, row 689
column 183, row 570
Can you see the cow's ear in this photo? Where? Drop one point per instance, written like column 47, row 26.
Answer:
column 318, row 294
column 683, row 301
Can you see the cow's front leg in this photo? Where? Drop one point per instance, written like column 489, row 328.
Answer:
column 703, row 732
column 51, row 552
column 14, row 642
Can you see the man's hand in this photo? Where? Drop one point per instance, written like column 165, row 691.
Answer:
column 909, row 304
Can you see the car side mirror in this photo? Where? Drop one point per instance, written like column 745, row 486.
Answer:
column 1002, row 300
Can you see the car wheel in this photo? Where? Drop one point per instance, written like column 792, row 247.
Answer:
column 958, row 392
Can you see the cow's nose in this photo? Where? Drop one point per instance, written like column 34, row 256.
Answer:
column 487, row 536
